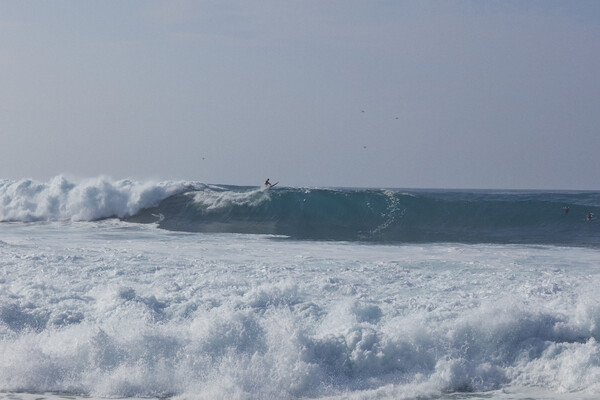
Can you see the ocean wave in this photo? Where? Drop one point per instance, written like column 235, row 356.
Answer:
column 372, row 215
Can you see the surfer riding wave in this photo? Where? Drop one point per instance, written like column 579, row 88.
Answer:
column 268, row 184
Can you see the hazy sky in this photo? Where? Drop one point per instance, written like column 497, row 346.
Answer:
column 414, row 94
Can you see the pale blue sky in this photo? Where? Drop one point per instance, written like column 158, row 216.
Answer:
column 455, row 94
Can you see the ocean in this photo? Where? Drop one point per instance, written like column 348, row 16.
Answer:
column 185, row 290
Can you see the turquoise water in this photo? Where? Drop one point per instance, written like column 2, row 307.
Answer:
column 385, row 215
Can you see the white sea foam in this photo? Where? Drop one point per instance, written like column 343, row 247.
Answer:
column 110, row 309
column 211, row 200
column 60, row 199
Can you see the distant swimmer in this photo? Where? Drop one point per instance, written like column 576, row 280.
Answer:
column 590, row 216
column 566, row 209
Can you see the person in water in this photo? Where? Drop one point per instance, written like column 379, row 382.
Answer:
column 267, row 183
column 590, row 216
column 566, row 209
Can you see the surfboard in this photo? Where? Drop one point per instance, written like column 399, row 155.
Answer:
column 273, row 184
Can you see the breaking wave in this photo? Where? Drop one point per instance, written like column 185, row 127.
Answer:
column 59, row 199
column 373, row 215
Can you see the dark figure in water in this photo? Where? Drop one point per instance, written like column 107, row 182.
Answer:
column 590, row 216
column 566, row 209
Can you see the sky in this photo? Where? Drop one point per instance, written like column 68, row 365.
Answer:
column 341, row 93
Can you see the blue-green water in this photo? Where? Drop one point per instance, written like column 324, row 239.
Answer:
column 401, row 216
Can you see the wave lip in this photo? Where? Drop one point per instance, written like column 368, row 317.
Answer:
column 27, row 200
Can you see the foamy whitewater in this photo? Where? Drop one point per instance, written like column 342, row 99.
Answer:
column 124, row 289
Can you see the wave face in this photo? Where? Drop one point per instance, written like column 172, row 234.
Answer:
column 384, row 215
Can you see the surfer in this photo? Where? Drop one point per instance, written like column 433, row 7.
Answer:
column 566, row 209
column 590, row 216
column 269, row 185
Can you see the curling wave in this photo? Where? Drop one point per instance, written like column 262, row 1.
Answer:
column 384, row 215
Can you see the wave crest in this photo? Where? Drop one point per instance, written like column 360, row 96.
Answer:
column 60, row 199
